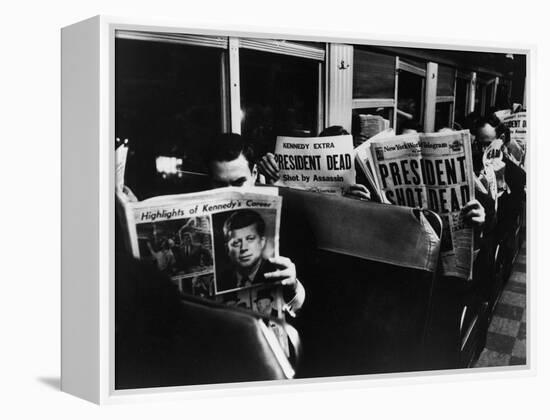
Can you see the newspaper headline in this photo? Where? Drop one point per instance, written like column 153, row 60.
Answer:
column 319, row 163
column 432, row 171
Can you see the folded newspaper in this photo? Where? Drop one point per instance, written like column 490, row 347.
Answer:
column 364, row 161
column 213, row 244
column 371, row 125
column 432, row 171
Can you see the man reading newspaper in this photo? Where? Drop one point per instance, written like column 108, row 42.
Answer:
column 473, row 212
column 337, row 167
column 230, row 161
column 434, row 171
column 488, row 136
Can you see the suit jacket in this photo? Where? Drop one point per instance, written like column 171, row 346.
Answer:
column 228, row 280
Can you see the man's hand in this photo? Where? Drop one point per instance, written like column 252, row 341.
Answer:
column 129, row 194
column 268, row 167
column 286, row 274
column 358, row 191
column 474, row 213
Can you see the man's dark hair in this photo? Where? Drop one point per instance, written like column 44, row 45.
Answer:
column 226, row 147
column 241, row 219
column 333, row 130
column 481, row 123
column 500, row 129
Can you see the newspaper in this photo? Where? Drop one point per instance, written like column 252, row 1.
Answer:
column 121, row 153
column 493, row 163
column 503, row 113
column 213, row 244
column 517, row 123
column 316, row 163
column 431, row 171
column 266, row 300
column 371, row 125
column 364, row 161
column 517, row 147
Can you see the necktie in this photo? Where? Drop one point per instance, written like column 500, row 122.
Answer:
column 245, row 281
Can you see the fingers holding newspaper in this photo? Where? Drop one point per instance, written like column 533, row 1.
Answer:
column 269, row 168
column 286, row 273
column 474, row 213
column 357, row 191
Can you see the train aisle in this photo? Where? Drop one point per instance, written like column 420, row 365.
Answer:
column 507, row 332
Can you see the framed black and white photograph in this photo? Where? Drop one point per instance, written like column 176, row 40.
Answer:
column 279, row 209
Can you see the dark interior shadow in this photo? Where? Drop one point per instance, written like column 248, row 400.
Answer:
column 52, row 382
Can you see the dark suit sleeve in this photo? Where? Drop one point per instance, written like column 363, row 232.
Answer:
column 225, row 280
column 293, row 298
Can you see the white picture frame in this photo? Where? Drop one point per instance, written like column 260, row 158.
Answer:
column 88, row 200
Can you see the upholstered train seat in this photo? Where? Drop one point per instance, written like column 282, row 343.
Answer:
column 164, row 340
column 369, row 270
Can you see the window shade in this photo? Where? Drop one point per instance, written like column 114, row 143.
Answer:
column 174, row 38
column 284, row 47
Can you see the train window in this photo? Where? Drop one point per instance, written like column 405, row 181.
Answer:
column 461, row 100
column 490, row 94
column 445, row 101
column 168, row 103
column 279, row 96
column 410, row 101
column 443, row 115
column 485, row 94
column 373, row 75
column 478, row 99
column 503, row 94
column 445, row 81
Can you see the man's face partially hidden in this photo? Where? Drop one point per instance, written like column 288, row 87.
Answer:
column 245, row 247
column 264, row 306
column 486, row 135
column 234, row 173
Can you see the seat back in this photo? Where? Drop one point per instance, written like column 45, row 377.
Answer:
column 368, row 270
column 371, row 231
column 163, row 339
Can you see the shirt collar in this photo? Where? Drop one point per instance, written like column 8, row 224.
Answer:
column 251, row 276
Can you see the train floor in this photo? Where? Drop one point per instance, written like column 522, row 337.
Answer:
column 506, row 338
